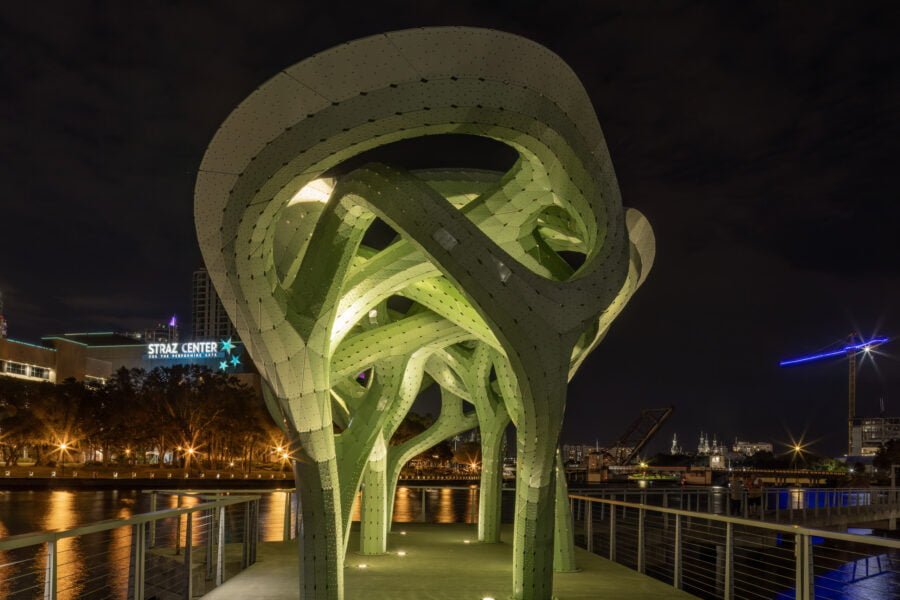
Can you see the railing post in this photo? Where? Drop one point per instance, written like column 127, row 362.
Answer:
column 178, row 529
column 188, row 558
column 153, row 500
column 139, row 560
column 665, row 503
column 254, row 539
column 777, row 505
column 286, row 533
column 676, row 576
column 210, row 536
column 220, row 548
column 640, row 541
column 729, row 561
column 828, row 503
column 50, row 572
column 745, row 500
column 612, row 533
column 245, row 542
column 804, row 562
column 589, row 526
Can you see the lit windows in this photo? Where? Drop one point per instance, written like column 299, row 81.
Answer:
column 15, row 368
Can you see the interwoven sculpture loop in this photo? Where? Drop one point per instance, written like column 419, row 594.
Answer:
column 497, row 318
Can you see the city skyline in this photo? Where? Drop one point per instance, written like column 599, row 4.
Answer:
column 761, row 158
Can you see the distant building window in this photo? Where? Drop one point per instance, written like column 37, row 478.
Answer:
column 16, row 368
column 40, row 372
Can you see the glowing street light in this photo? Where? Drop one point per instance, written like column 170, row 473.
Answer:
column 63, row 450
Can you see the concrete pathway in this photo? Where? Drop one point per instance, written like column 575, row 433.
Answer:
column 438, row 565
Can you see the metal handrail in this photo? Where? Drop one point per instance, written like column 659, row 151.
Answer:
column 24, row 540
column 753, row 523
column 143, row 530
column 722, row 571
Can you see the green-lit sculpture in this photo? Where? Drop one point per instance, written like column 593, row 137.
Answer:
column 498, row 319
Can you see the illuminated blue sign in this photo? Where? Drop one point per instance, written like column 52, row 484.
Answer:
column 183, row 350
column 224, row 352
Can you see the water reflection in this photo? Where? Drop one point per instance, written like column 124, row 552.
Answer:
column 120, row 551
column 445, row 513
column 472, row 506
column 407, row 506
column 6, row 570
column 61, row 514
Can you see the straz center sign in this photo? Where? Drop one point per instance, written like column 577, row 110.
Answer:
column 225, row 352
column 185, row 350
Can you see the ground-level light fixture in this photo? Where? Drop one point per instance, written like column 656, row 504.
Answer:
column 401, row 553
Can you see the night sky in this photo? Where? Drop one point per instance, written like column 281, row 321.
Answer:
column 762, row 143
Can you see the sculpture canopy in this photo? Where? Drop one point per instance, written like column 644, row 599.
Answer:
column 497, row 317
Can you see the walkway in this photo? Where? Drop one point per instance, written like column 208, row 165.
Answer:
column 438, row 565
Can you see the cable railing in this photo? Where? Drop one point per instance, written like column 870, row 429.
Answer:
column 780, row 504
column 175, row 553
column 719, row 556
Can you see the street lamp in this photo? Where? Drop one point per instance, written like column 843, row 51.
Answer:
column 63, row 447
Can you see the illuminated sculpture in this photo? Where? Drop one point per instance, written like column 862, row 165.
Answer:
column 478, row 255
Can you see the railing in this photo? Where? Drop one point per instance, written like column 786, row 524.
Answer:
column 143, row 472
column 422, row 498
column 717, row 556
column 801, row 504
column 289, row 509
column 778, row 504
column 177, row 553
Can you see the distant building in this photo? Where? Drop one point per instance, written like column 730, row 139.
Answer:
column 751, row 448
column 208, row 316
column 676, row 448
column 576, row 454
column 869, row 434
column 95, row 356
column 3, row 326
column 163, row 332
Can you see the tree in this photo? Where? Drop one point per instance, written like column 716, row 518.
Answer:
column 19, row 427
column 887, row 455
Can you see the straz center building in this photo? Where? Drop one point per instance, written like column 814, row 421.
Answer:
column 96, row 356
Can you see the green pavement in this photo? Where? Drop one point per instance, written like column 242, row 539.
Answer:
column 439, row 565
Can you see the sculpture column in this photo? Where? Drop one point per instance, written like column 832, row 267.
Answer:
column 374, row 509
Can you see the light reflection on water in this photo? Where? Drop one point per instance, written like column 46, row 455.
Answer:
column 62, row 514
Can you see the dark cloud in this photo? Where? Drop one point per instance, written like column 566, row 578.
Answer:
column 759, row 139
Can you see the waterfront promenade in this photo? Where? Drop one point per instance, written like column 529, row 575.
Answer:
column 438, row 565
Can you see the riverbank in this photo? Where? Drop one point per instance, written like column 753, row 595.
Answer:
column 80, row 477
column 137, row 477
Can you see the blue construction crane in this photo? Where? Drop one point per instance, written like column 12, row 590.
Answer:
column 851, row 351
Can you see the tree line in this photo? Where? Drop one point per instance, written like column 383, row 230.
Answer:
column 180, row 416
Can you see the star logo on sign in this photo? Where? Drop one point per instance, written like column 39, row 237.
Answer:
column 227, row 345
column 223, row 365
column 235, row 360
